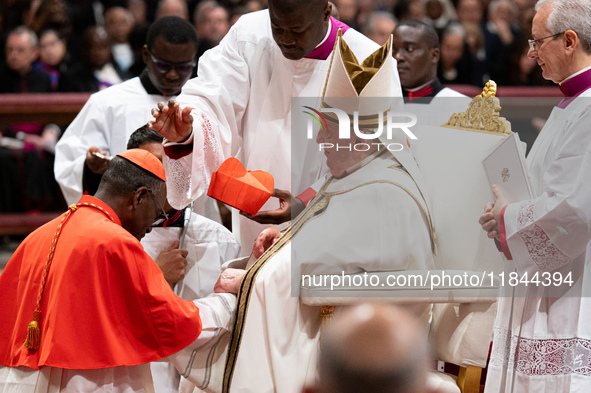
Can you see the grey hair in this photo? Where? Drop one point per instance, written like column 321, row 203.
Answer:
column 455, row 28
column 493, row 6
column 33, row 40
column 569, row 15
column 369, row 26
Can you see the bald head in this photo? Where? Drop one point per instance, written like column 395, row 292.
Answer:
column 373, row 348
column 172, row 8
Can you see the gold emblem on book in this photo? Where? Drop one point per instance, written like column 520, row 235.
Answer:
column 483, row 113
column 505, row 174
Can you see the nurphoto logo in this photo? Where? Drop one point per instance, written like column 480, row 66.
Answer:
column 394, row 121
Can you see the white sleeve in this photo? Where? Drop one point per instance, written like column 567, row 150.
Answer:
column 219, row 96
column 89, row 128
column 550, row 231
column 206, row 355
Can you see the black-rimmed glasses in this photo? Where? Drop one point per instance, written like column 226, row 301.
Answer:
column 164, row 66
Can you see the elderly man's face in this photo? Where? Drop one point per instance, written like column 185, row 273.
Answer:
column 217, row 24
column 341, row 154
column 169, row 65
column 417, row 63
column 20, row 54
column 548, row 52
column 297, row 33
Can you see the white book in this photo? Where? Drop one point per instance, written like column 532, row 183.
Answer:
column 506, row 168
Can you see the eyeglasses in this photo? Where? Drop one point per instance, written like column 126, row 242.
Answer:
column 164, row 66
column 160, row 217
column 532, row 43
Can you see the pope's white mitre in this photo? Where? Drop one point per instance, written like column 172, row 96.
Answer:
column 364, row 88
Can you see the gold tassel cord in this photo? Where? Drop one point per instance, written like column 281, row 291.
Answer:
column 34, row 329
column 33, row 335
column 326, row 313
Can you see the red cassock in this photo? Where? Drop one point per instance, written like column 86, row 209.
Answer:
column 105, row 303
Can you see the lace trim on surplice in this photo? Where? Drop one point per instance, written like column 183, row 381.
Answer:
column 541, row 356
column 542, row 251
column 179, row 178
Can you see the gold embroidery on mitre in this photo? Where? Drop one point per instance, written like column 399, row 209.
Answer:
column 361, row 74
column 358, row 88
column 483, row 114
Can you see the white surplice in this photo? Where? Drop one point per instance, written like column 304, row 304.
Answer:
column 542, row 339
column 242, row 97
column 372, row 220
column 209, row 245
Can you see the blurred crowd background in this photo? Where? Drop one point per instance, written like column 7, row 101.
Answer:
column 88, row 45
column 480, row 39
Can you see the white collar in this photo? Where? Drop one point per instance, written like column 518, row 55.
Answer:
column 575, row 74
column 327, row 33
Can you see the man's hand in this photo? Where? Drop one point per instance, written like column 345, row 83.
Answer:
column 264, row 240
column 491, row 218
column 95, row 163
column 229, row 281
column 173, row 263
column 171, row 122
column 287, row 204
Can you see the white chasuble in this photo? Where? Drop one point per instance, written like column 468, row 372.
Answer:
column 372, row 220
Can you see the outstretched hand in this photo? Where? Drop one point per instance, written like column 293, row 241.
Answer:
column 172, row 122
column 287, row 205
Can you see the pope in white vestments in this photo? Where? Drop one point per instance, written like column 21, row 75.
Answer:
column 542, row 340
column 242, row 102
column 369, row 216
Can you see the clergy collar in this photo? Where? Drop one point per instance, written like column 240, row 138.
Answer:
column 324, row 49
column 426, row 92
column 574, row 85
column 148, row 85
